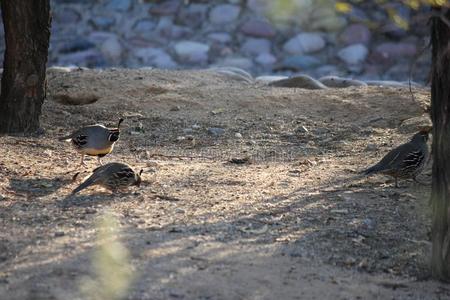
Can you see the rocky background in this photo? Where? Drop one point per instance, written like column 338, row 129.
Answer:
column 370, row 41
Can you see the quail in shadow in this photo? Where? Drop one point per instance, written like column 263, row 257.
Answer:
column 406, row 161
column 94, row 140
column 113, row 176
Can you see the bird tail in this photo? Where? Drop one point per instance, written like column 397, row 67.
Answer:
column 372, row 170
column 88, row 182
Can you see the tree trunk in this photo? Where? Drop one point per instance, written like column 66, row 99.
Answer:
column 27, row 34
column 440, row 113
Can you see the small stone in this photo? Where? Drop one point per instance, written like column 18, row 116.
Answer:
column 155, row 57
column 119, row 5
column 216, row 131
column 180, row 138
column 238, row 62
column 395, row 50
column 59, row 233
column 254, row 46
column 167, row 7
column 112, row 49
column 300, row 62
column 258, row 28
column 354, row 54
column 224, row 14
column 144, row 26
column 196, row 126
column 304, row 43
column 356, row 34
column 188, row 130
column 369, row 224
column 266, row 59
column 102, row 22
column 238, row 135
column 371, row 147
column 77, row 45
column 192, row 52
column 220, row 37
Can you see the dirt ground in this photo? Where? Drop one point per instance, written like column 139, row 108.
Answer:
column 270, row 207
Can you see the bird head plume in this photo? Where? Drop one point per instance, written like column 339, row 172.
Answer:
column 115, row 133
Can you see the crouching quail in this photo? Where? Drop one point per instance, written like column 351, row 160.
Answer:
column 94, row 140
column 405, row 161
column 113, row 176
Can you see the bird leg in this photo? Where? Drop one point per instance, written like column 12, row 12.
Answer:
column 82, row 163
column 396, row 182
column 99, row 158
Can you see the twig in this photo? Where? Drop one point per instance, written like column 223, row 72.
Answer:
column 168, row 198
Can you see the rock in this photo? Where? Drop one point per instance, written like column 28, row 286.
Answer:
column 224, row 14
column 299, row 81
column 266, row 59
column 395, row 50
column 356, row 34
column 118, row 5
column 300, row 62
column 192, row 52
column 254, row 46
column 155, row 57
column 144, row 26
column 269, row 78
column 236, row 135
column 238, row 62
column 412, row 125
column 102, row 22
column 304, row 43
column 66, row 16
column 216, row 131
column 192, row 15
column 76, row 45
column 220, row 37
column 258, row 28
column 354, row 54
column 340, row 82
column 112, row 49
column 325, row 18
column 164, row 8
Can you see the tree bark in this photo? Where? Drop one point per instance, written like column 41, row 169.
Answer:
column 27, row 35
column 440, row 114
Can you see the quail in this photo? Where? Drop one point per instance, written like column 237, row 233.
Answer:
column 405, row 161
column 94, row 140
column 113, row 176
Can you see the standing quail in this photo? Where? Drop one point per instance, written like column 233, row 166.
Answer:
column 94, row 140
column 113, row 176
column 405, row 161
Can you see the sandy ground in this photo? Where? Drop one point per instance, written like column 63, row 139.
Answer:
column 272, row 208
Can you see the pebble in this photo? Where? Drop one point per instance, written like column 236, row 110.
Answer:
column 304, row 43
column 191, row 51
column 255, row 46
column 236, row 135
column 216, row 131
column 354, row 54
column 258, row 28
column 224, row 14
